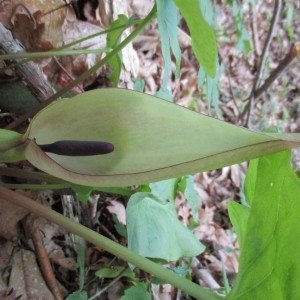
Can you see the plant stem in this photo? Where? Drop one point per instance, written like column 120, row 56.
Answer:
column 36, row 187
column 86, row 74
column 27, row 174
column 64, row 186
column 257, row 80
column 103, row 290
column 35, row 55
column 114, row 248
column 55, row 183
column 293, row 53
column 274, row 21
column 28, row 56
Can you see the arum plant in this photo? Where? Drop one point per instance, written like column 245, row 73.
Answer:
column 116, row 138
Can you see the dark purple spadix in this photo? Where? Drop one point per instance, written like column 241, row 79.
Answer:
column 78, row 148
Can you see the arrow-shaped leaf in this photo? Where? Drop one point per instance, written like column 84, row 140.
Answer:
column 268, row 232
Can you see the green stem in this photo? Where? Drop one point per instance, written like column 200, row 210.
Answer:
column 36, row 187
column 27, row 174
column 104, row 289
column 61, row 186
column 115, row 190
column 57, row 182
column 34, row 55
column 58, row 51
column 109, row 246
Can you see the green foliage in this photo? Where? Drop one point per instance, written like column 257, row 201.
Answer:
column 12, row 146
column 166, row 190
column 154, row 230
column 268, row 232
column 210, row 84
column 210, row 87
column 239, row 216
column 139, row 85
column 115, row 31
column 82, row 192
column 9, row 139
column 203, row 38
column 289, row 10
column 114, row 272
column 120, row 228
column 168, row 18
column 23, row 100
column 186, row 186
column 243, row 42
column 78, row 295
column 81, row 248
column 136, row 292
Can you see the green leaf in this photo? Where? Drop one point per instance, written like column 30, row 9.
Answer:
column 165, row 190
column 137, row 292
column 9, row 139
column 189, row 192
column 82, row 192
column 208, row 12
column 12, row 146
column 139, row 85
column 203, row 39
column 16, row 97
column 114, row 272
column 78, row 295
column 239, row 215
column 116, row 29
column 149, row 143
column 269, row 262
column 81, row 250
column 181, row 271
column 250, row 181
column 164, row 93
column 120, row 227
column 243, row 42
column 210, row 86
column 154, row 230
column 168, row 18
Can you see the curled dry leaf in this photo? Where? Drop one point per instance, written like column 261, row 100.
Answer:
column 38, row 24
column 10, row 215
column 118, row 209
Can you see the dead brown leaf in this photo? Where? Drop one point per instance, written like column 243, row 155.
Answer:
column 8, row 294
column 10, row 215
column 26, row 278
column 118, row 209
column 37, row 25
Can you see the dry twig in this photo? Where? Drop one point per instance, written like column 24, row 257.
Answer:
column 45, row 264
column 260, row 69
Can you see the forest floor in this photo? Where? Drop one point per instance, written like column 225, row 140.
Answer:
column 241, row 32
